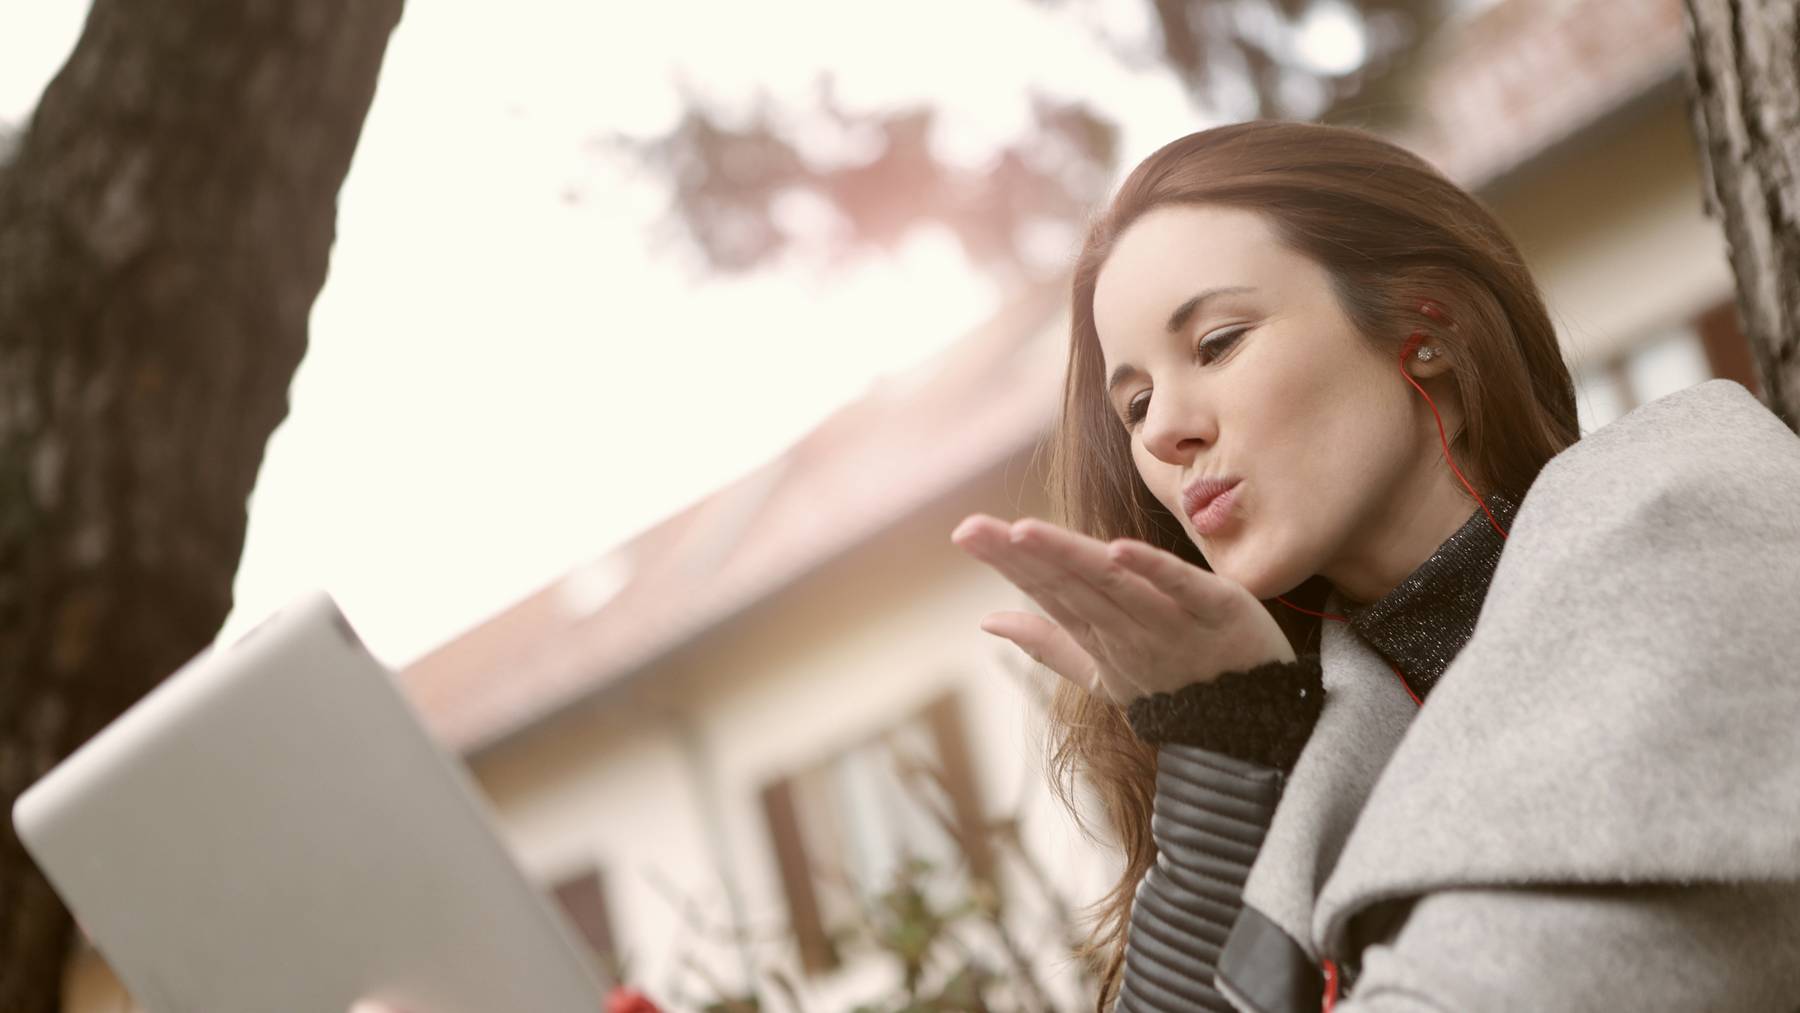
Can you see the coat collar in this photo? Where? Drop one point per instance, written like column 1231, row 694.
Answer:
column 1625, row 709
column 1627, row 691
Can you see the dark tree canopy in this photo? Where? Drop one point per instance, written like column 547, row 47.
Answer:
column 1234, row 58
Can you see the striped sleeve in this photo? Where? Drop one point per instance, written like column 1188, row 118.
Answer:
column 1211, row 813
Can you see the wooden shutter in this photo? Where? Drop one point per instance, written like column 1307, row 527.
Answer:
column 1727, row 351
column 816, row 950
column 944, row 717
column 583, row 899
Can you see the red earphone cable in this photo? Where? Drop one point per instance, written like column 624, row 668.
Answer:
column 1416, row 337
column 1331, row 986
column 1436, row 313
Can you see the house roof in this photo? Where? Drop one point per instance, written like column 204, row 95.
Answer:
column 1511, row 83
column 911, row 439
column 1525, row 76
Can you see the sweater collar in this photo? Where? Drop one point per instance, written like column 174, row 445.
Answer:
column 1422, row 624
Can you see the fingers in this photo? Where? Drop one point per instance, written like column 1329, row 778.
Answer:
column 1064, row 593
column 976, row 527
column 1195, row 590
column 1125, row 618
column 1051, row 646
column 991, row 542
column 1095, row 638
column 1095, row 581
column 1069, row 576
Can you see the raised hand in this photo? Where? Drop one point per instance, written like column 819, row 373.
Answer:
column 1126, row 618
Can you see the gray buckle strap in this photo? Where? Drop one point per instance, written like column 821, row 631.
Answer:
column 1263, row 968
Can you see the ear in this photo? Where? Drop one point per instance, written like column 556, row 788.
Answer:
column 1438, row 365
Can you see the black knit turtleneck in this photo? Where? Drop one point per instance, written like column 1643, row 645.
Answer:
column 1422, row 624
column 1265, row 715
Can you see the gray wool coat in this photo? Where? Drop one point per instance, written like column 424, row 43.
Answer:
column 1598, row 808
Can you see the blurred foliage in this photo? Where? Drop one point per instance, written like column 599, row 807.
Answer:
column 951, row 941
column 735, row 184
column 952, row 951
column 912, row 931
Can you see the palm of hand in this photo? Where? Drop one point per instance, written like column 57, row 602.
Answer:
column 1126, row 619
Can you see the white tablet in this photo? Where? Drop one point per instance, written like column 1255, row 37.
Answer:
column 272, row 829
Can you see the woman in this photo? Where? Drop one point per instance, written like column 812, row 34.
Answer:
column 1397, row 696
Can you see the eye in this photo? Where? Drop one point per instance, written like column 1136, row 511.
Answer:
column 1136, row 409
column 1219, row 342
column 1208, row 351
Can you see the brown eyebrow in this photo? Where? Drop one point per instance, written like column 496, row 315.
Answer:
column 1177, row 320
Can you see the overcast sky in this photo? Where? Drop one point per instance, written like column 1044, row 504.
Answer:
column 505, row 376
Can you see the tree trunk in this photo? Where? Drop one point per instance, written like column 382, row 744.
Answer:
column 1745, row 94
column 164, row 227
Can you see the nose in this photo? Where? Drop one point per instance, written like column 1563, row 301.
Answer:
column 1174, row 430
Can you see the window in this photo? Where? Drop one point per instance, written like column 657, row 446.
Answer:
column 1727, row 350
column 843, row 827
column 1663, row 363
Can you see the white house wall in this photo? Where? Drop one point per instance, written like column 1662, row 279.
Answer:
column 1617, row 235
column 855, row 650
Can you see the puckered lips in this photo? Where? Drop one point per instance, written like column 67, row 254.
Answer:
column 1201, row 494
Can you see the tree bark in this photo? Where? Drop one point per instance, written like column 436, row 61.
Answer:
column 1745, row 102
column 165, row 225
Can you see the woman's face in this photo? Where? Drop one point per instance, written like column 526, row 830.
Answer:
column 1229, row 358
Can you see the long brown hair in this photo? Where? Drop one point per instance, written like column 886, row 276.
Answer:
column 1390, row 230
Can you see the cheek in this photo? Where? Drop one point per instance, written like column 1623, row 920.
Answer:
column 1158, row 476
column 1305, row 417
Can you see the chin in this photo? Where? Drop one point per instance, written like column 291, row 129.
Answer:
column 1250, row 578
column 1264, row 579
